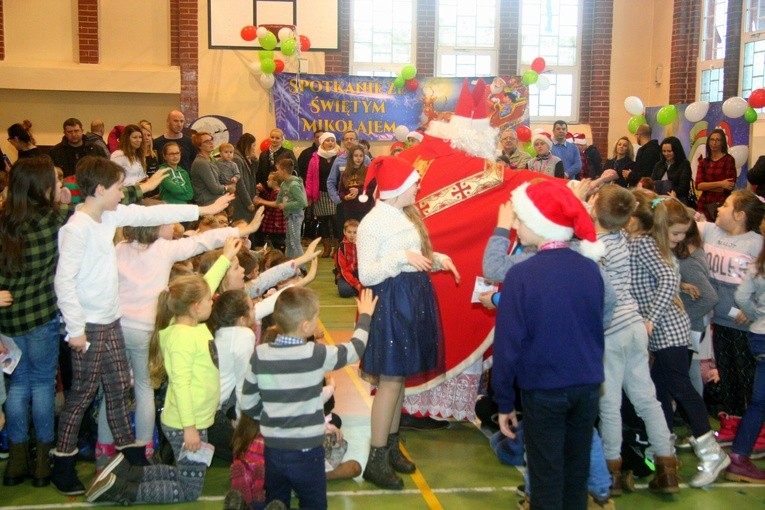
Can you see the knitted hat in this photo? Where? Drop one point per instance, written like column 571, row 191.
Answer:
column 579, row 139
column 545, row 137
column 324, row 137
column 394, row 176
column 553, row 212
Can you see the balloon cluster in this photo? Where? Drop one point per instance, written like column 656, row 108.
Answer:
column 406, row 78
column 534, row 75
column 287, row 42
column 735, row 107
column 266, row 144
column 524, row 137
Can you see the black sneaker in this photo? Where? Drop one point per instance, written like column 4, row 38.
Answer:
column 413, row 423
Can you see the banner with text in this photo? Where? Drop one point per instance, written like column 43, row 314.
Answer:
column 374, row 108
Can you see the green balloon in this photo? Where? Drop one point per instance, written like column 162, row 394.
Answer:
column 529, row 77
column 529, row 148
column 265, row 54
column 287, row 144
column 750, row 115
column 635, row 122
column 268, row 66
column 289, row 47
column 408, row 72
column 399, row 82
column 268, row 41
column 667, row 115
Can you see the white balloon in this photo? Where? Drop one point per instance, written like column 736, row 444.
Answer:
column 633, row 105
column 543, row 82
column 285, row 33
column 735, row 107
column 696, row 111
column 400, row 133
column 740, row 153
column 267, row 80
column 255, row 68
column 261, row 31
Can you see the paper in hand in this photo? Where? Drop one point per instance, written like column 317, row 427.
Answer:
column 482, row 285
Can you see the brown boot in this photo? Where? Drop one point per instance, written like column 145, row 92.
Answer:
column 18, row 467
column 615, row 468
column 665, row 480
column 42, row 472
column 327, row 245
column 398, row 461
column 345, row 470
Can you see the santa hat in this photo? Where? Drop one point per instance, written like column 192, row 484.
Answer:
column 468, row 128
column 544, row 136
column 417, row 135
column 325, row 136
column 579, row 139
column 553, row 212
column 394, row 176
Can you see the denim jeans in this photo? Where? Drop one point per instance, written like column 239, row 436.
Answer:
column 137, row 348
column 301, row 471
column 34, row 382
column 752, row 420
column 293, row 248
column 558, row 425
column 344, row 288
column 626, row 367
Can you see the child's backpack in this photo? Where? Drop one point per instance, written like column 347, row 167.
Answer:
column 336, row 269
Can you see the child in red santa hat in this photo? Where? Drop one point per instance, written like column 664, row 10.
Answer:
column 549, row 337
column 395, row 257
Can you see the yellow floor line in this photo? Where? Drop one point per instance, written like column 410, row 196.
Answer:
column 419, row 480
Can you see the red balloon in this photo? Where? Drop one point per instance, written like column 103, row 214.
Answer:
column 524, row 133
column 279, row 66
column 305, row 43
column 757, row 98
column 264, row 145
column 249, row 33
column 538, row 64
column 412, row 84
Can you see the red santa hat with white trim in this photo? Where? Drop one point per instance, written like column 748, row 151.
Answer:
column 394, row 176
column 553, row 212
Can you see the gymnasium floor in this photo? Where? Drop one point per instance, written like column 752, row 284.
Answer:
column 457, row 469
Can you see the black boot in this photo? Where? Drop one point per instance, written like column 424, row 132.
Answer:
column 18, row 467
column 136, row 455
column 379, row 471
column 112, row 489
column 398, row 461
column 42, row 474
column 121, row 468
column 64, row 476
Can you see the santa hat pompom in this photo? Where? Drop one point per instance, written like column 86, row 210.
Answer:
column 553, row 212
column 394, row 176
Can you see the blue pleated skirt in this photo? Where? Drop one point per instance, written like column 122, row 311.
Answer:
column 405, row 337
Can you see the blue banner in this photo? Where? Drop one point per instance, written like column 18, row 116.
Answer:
column 374, row 107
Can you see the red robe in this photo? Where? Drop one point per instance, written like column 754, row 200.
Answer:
column 459, row 198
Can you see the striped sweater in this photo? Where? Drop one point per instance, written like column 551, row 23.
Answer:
column 283, row 387
column 616, row 263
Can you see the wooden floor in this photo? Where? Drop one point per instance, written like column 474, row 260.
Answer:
column 456, row 467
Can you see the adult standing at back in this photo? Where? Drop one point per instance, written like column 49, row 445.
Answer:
column 96, row 136
column 204, row 172
column 72, row 148
column 673, row 172
column 20, row 136
column 247, row 162
column 647, row 155
column 716, row 174
column 268, row 158
column 510, row 153
column 174, row 133
column 309, row 225
column 566, row 151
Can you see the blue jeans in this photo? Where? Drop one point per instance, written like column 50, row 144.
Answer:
column 34, row 383
column 301, row 471
column 558, row 425
column 752, row 420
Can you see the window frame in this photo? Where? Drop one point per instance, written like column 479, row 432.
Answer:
column 457, row 50
column 370, row 68
column 703, row 65
column 749, row 37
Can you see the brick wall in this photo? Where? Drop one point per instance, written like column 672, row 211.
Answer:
column 425, row 30
column 595, row 79
column 87, row 31
column 188, row 56
column 732, row 49
column 509, row 31
column 338, row 61
column 685, row 51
